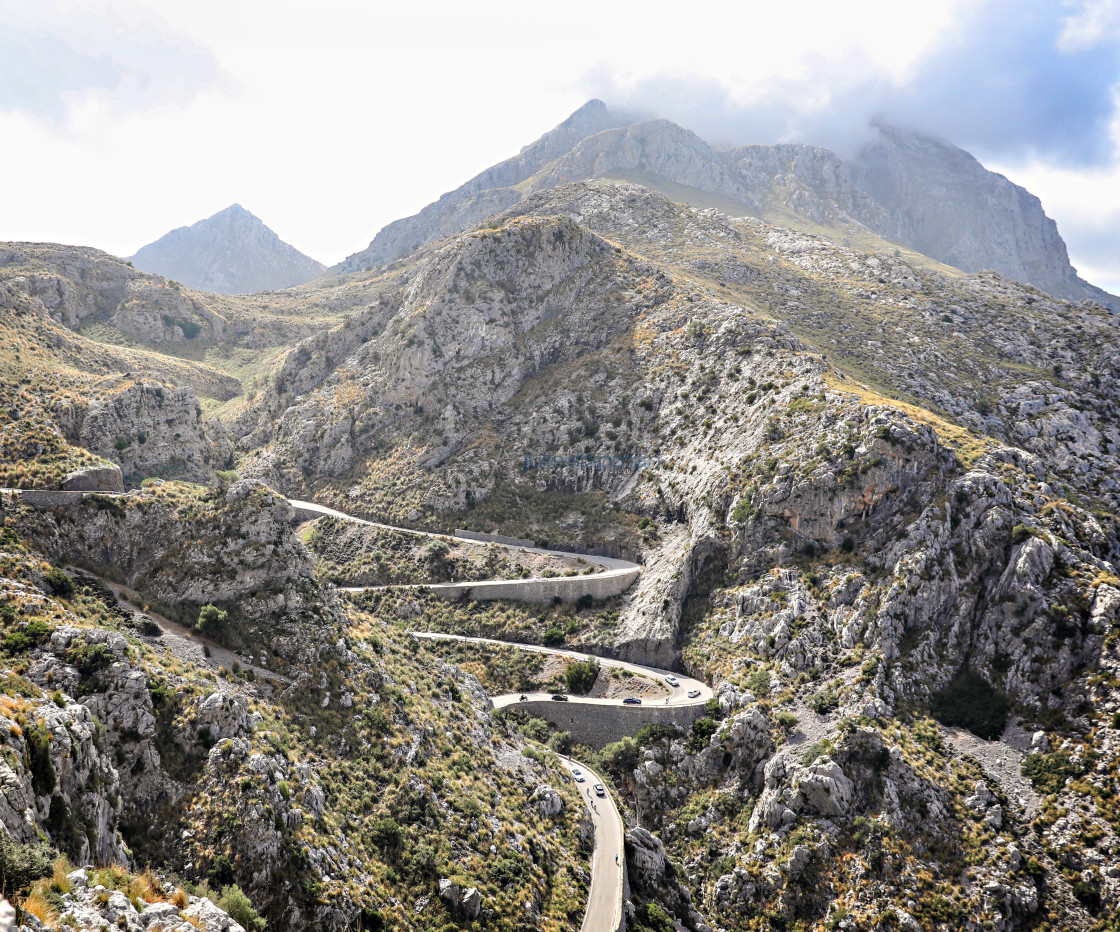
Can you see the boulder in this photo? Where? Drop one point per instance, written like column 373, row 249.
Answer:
column 106, row 478
column 824, row 787
column 548, row 801
column 449, row 892
column 472, row 902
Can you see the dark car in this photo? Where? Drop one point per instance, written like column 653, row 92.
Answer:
column 559, row 697
column 631, row 700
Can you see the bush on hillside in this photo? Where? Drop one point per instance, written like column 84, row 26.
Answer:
column 970, row 701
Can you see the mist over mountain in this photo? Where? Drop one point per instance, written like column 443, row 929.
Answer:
column 908, row 188
column 232, row 252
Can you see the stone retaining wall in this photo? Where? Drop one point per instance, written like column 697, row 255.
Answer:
column 494, row 538
column 565, row 588
column 49, row 499
column 599, row 725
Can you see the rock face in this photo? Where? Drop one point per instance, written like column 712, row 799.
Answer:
column 59, row 782
column 908, row 188
column 232, row 252
column 94, row 479
column 148, row 429
column 229, row 547
column 942, row 202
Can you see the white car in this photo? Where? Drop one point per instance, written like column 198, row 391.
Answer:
column 693, row 693
column 672, row 680
column 600, row 790
column 576, row 771
column 579, row 778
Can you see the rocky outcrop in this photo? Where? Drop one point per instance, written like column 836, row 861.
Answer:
column 232, row 252
column 940, row 201
column 149, row 429
column 59, row 779
column 94, row 479
column 87, row 905
column 233, row 547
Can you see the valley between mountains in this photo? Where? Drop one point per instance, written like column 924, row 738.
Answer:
column 867, row 502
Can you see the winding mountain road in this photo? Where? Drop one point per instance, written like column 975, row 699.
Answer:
column 613, row 568
column 678, row 694
column 604, row 902
column 608, row 858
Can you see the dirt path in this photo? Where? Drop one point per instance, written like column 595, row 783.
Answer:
column 1001, row 762
column 178, row 640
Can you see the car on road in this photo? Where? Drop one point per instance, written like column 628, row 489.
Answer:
column 693, row 693
column 578, row 777
column 672, row 680
column 559, row 697
column 631, row 700
column 576, row 772
column 600, row 790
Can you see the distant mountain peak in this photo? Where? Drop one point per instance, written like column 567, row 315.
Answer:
column 906, row 186
column 230, row 252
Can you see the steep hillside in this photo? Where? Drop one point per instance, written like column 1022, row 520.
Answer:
column 232, row 252
column 331, row 770
column 876, row 492
column 120, row 363
column 875, row 500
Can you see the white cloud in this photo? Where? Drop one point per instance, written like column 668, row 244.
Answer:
column 54, row 55
column 1096, row 22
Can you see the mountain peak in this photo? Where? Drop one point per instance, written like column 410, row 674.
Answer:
column 230, row 252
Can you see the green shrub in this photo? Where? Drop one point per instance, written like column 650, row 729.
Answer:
column 1049, row 772
column 758, row 682
column 17, row 642
column 702, row 730
column 824, row 701
column 234, row 901
column 386, row 833
column 58, row 583
column 1021, row 532
column 43, row 776
column 508, row 869
column 652, row 918
column 619, row 758
column 581, row 676
column 90, row 659
column 742, row 511
column 535, row 729
column 211, row 620
column 1088, row 895
column 970, row 701
column 561, row 742
column 785, row 720
column 553, row 637
column 21, row 865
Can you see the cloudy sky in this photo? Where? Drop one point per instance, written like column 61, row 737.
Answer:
column 122, row 120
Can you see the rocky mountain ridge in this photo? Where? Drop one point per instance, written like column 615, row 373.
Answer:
column 908, row 189
column 232, row 252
